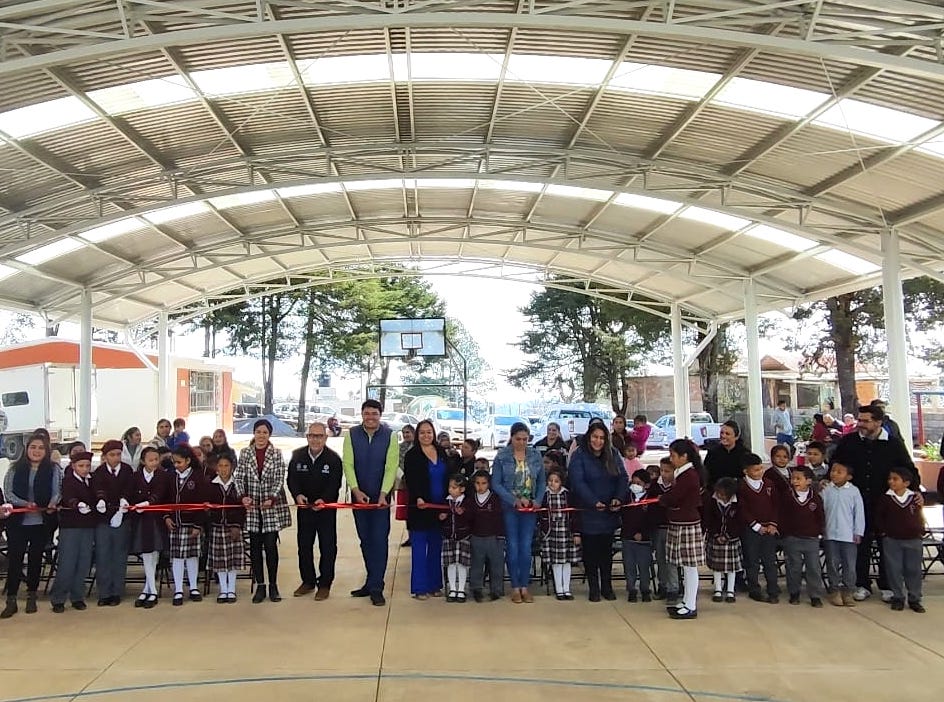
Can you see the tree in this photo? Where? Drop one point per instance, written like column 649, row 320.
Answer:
column 320, row 336
column 590, row 344
column 716, row 360
column 17, row 329
column 854, row 325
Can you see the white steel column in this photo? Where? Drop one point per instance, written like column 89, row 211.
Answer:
column 163, row 368
column 755, row 395
column 84, row 400
column 900, row 400
column 683, row 418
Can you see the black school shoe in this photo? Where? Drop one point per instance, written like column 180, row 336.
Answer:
column 79, row 605
column 377, row 599
column 816, row 602
column 59, row 608
column 274, row 595
column 897, row 605
column 495, row 596
column 684, row 613
column 795, row 599
column 646, row 597
column 360, row 592
column 260, row 594
column 916, row 607
column 631, row 596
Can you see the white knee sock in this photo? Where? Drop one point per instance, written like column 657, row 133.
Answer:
column 719, row 580
column 565, row 577
column 223, row 577
column 452, row 573
column 192, row 565
column 231, row 582
column 691, row 586
column 463, row 576
column 731, row 575
column 177, row 566
column 558, row 570
column 150, row 570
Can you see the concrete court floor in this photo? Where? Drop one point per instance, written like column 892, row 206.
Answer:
column 345, row 649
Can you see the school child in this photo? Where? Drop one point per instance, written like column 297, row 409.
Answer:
column 180, row 435
column 685, row 542
column 758, row 497
column 654, row 472
column 487, row 537
column 723, row 526
column 186, row 527
column 779, row 468
column 76, row 536
column 554, row 460
column 227, row 546
column 900, row 522
column 802, row 524
column 559, row 533
column 151, row 487
column 482, row 464
column 631, row 460
column 113, row 483
column 845, row 525
column 456, row 545
column 636, row 534
column 668, row 574
column 816, row 460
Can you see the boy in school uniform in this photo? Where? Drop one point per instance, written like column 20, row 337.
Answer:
column 803, row 521
column 659, row 523
column 77, row 524
column 487, row 539
column 758, row 496
column 816, row 460
column 900, row 522
column 113, row 483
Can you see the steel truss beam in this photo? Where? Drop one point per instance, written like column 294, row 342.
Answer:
column 212, row 26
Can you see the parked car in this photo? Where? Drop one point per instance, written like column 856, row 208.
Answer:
column 496, row 430
column 705, row 430
column 452, row 420
column 572, row 419
column 656, row 437
column 397, row 420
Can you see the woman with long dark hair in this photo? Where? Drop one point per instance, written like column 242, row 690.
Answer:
column 260, row 479
column 598, row 480
column 518, row 478
column 426, row 476
column 685, row 544
column 33, row 482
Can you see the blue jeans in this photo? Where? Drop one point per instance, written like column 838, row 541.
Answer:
column 519, row 533
column 426, row 561
column 373, row 530
column 786, row 439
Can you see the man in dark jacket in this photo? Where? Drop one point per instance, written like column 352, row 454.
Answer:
column 870, row 453
column 314, row 478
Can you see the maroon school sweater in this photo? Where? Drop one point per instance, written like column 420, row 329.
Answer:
column 112, row 488
column 722, row 520
column 457, row 525
column 190, row 491
column 683, row 501
column 802, row 519
column 759, row 506
column 637, row 520
column 657, row 513
column 486, row 519
column 74, row 491
column 899, row 521
column 782, row 484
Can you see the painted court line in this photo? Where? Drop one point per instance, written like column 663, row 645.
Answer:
column 396, row 676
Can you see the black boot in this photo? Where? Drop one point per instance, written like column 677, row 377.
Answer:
column 274, row 594
column 260, row 594
column 593, row 584
column 10, row 609
column 31, row 602
column 606, row 586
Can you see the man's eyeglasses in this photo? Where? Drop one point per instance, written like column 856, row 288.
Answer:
column 316, row 436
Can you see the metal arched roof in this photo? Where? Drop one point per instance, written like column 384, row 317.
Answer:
column 166, row 155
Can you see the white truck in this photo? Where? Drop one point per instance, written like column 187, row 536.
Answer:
column 572, row 419
column 705, row 430
column 42, row 395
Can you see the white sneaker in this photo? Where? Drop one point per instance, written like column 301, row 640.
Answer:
column 887, row 595
column 860, row 594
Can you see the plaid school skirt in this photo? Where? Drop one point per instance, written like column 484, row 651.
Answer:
column 457, row 552
column 226, row 553
column 724, row 558
column 184, row 544
column 685, row 545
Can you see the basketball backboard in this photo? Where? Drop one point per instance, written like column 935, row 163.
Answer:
column 412, row 337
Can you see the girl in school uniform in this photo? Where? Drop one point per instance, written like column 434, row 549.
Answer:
column 227, row 549
column 560, row 534
column 76, row 536
column 685, row 543
column 456, row 543
column 186, row 528
column 723, row 526
column 149, row 534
